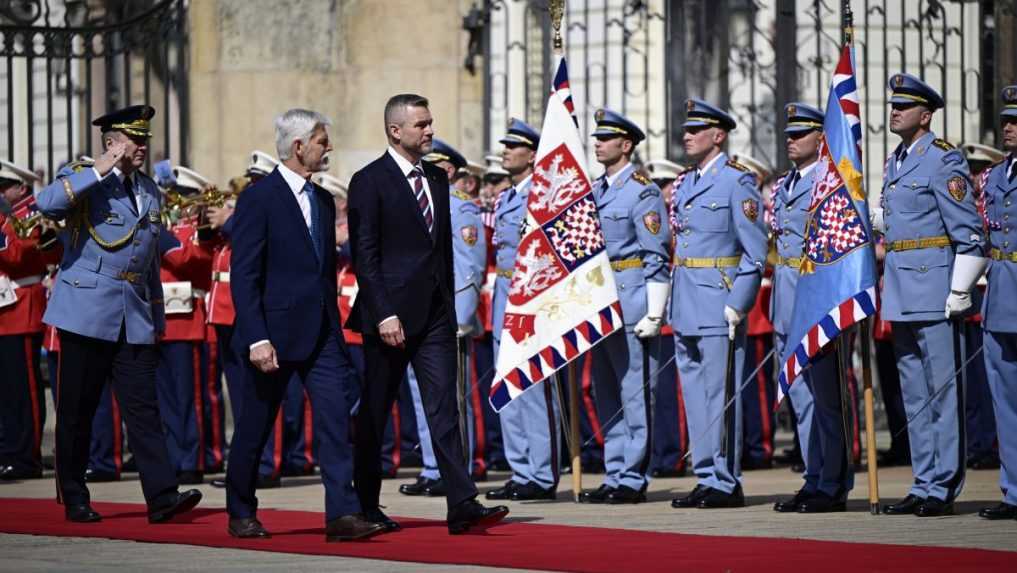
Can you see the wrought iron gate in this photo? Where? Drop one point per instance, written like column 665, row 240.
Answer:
column 68, row 61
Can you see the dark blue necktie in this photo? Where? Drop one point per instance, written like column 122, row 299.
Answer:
column 315, row 227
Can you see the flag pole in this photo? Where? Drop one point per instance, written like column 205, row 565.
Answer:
column 865, row 331
column 557, row 11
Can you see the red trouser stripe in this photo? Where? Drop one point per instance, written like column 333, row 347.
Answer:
column 591, row 410
column 118, row 434
column 479, row 438
column 683, row 428
column 764, row 409
column 308, row 433
column 199, row 414
column 33, row 389
column 396, row 439
column 214, row 401
column 277, row 445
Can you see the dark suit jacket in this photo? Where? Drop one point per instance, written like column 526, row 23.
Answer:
column 281, row 291
column 398, row 263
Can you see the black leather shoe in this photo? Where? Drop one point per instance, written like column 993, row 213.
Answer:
column 906, row 506
column 503, row 492
column 438, row 488
column 190, row 478
column 218, row 482
column 376, row 515
column 470, row 514
column 532, row 491
column 184, row 501
column 822, row 503
column 1002, row 511
column 10, row 473
column 717, row 499
column 598, row 495
column 692, row 499
column 418, row 487
column 351, row 528
column 791, row 505
column 934, row 507
column 81, row 513
column 668, row 473
column 247, row 528
column 96, row 476
column 625, row 494
column 268, row 482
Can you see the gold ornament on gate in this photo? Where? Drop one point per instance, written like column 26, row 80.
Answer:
column 557, row 9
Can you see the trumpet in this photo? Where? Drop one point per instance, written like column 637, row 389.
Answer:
column 177, row 206
column 25, row 229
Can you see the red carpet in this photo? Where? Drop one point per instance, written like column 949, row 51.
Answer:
column 512, row 544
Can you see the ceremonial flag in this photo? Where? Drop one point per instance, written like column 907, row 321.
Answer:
column 562, row 299
column 837, row 286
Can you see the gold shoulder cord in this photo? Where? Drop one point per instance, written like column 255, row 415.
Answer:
column 108, row 245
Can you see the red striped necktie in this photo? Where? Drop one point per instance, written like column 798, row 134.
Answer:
column 425, row 205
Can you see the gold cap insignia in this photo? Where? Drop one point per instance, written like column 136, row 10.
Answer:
column 690, row 105
column 792, row 111
column 599, row 116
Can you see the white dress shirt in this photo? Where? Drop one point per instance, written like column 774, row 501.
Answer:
column 709, row 164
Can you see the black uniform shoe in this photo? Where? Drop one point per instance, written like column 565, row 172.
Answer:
column 934, row 507
column 375, row 515
column 247, row 528
column 10, row 473
column 532, row 491
column 351, row 528
column 668, row 473
column 183, row 502
column 625, row 494
column 470, row 514
column 1002, row 511
column 791, row 505
column 218, row 482
column 822, row 503
column 268, row 482
column 438, row 488
column 81, row 513
column 97, row 476
column 598, row 495
column 717, row 499
column 906, row 506
column 503, row 492
column 418, row 487
column 691, row 500
column 190, row 478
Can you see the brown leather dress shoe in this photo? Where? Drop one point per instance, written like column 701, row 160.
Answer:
column 351, row 528
column 247, row 528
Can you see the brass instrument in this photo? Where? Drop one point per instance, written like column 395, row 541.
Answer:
column 177, row 206
column 25, row 229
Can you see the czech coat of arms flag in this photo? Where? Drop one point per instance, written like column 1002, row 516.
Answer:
column 562, row 299
column 837, row 286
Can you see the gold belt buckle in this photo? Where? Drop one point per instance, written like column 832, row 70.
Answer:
column 131, row 277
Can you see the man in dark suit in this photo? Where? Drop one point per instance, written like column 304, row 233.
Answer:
column 284, row 287
column 401, row 242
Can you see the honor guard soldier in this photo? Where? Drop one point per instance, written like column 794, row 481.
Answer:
column 182, row 374
column 934, row 255
column 638, row 240
column 469, row 259
column 670, row 431
column 530, row 428
column 24, row 254
column 828, row 478
column 999, row 309
column 108, row 306
column 720, row 251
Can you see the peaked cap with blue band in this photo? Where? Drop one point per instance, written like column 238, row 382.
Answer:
column 441, row 151
column 611, row 123
column 520, row 133
column 802, row 117
column 906, row 88
column 702, row 114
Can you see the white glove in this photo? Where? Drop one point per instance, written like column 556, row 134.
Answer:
column 966, row 271
column 733, row 318
column 656, row 300
column 464, row 330
column 876, row 219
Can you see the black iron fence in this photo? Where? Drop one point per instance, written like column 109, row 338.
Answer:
column 68, row 61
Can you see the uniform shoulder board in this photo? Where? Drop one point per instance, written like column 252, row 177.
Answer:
column 77, row 166
column 641, row 178
column 943, row 144
column 738, row 166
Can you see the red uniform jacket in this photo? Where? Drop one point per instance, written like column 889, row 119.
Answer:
column 348, row 288
column 189, row 262
column 21, row 260
column 220, row 300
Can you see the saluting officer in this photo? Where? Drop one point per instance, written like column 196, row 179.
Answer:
column 530, row 428
column 637, row 237
column 934, row 255
column 469, row 259
column 107, row 305
column 718, row 264
column 999, row 309
column 23, row 263
column 828, row 479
